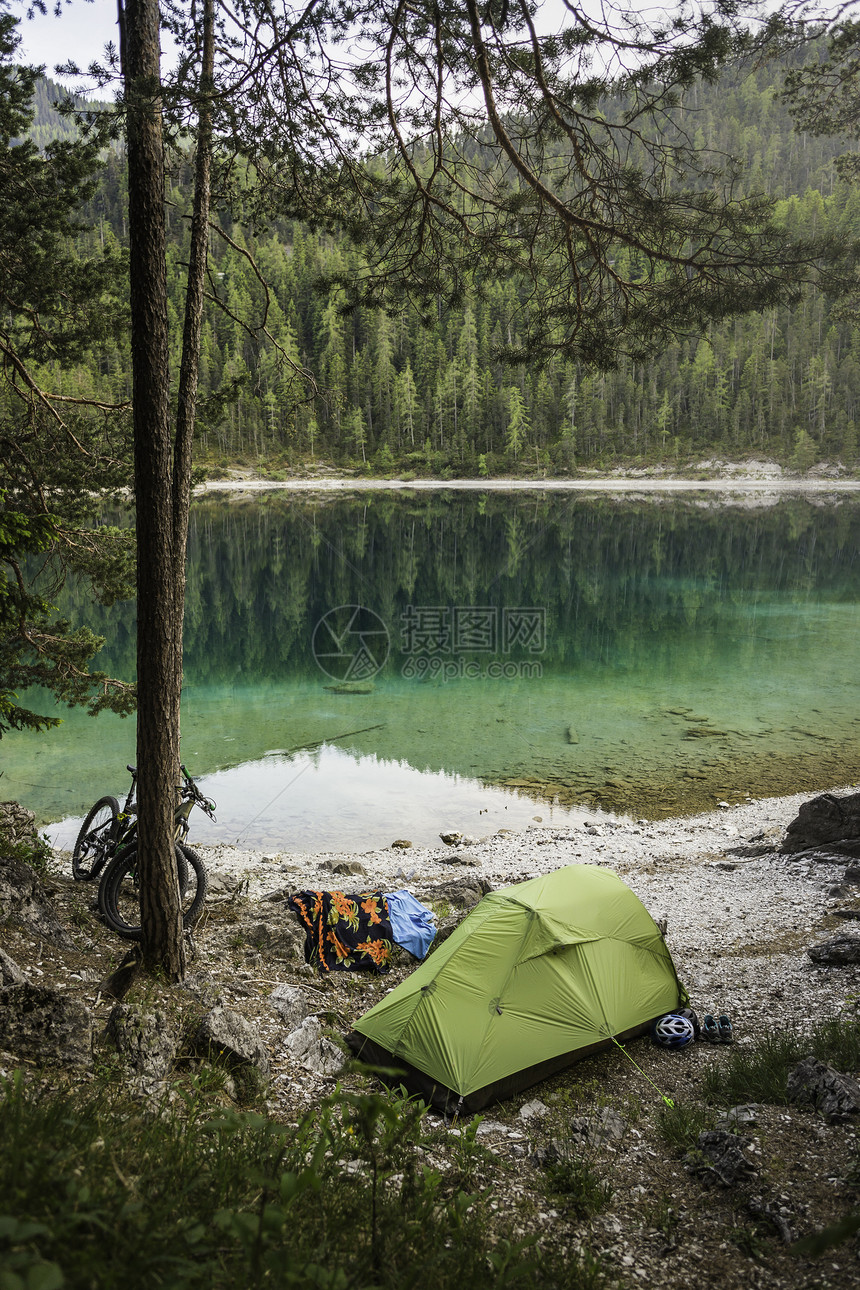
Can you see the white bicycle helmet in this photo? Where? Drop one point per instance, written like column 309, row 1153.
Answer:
column 673, row 1031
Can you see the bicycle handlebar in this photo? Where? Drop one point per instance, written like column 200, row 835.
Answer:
column 190, row 790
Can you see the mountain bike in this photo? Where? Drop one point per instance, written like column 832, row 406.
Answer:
column 108, row 842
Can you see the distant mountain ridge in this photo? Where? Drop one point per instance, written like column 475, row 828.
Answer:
column 48, row 123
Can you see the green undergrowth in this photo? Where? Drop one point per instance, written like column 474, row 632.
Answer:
column 681, row 1123
column 98, row 1191
column 760, row 1073
column 579, row 1184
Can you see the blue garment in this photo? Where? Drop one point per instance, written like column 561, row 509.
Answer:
column 412, row 924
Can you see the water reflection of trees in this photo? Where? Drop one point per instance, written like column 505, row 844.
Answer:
column 607, row 572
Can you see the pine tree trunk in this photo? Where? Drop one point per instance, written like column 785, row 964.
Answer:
column 189, row 370
column 157, row 677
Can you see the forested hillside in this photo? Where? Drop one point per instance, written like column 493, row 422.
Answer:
column 394, row 391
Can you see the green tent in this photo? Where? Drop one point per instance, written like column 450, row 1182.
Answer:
column 538, row 975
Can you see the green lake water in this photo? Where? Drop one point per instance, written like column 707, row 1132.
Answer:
column 359, row 670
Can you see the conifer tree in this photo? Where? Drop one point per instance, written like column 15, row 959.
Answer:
column 56, row 449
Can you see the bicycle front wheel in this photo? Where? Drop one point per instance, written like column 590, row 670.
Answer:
column 95, row 842
column 119, row 893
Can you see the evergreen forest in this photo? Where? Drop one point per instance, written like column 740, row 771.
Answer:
column 291, row 377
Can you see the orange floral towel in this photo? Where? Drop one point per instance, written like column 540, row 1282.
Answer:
column 345, row 933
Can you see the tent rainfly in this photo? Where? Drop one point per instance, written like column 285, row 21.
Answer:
column 538, row 975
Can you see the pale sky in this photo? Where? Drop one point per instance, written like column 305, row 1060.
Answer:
column 86, row 26
column 80, row 34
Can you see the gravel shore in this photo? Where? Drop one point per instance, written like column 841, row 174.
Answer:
column 740, row 915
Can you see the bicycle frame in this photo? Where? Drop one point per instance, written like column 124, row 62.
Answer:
column 111, row 837
column 189, row 796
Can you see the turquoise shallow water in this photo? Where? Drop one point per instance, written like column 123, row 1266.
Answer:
column 512, row 657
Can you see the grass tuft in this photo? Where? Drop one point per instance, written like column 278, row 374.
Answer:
column 760, row 1073
column 681, row 1124
column 575, row 1180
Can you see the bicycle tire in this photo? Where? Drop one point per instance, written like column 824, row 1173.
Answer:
column 95, row 839
column 130, row 848
column 119, row 892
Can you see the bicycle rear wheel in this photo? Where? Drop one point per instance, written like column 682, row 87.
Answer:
column 110, row 877
column 95, row 842
column 119, row 892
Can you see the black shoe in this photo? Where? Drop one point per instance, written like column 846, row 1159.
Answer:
column 710, row 1030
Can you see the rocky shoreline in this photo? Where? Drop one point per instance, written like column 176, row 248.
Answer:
column 741, row 917
column 757, row 487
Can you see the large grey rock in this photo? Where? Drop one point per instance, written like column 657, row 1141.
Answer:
column 582, row 1136
column 23, row 899
column 444, row 928
column 308, row 1046
column 227, row 1039
column 606, row 1126
column 46, row 1027
column 292, row 1004
column 720, row 1155
column 464, row 858
column 281, row 939
column 17, row 824
column 534, row 1110
column 346, row 868
column 146, row 1040
column 738, row 1117
column 223, row 884
column 10, row 973
column 829, row 823
column 462, row 892
column 813, row 1082
column 838, row 951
